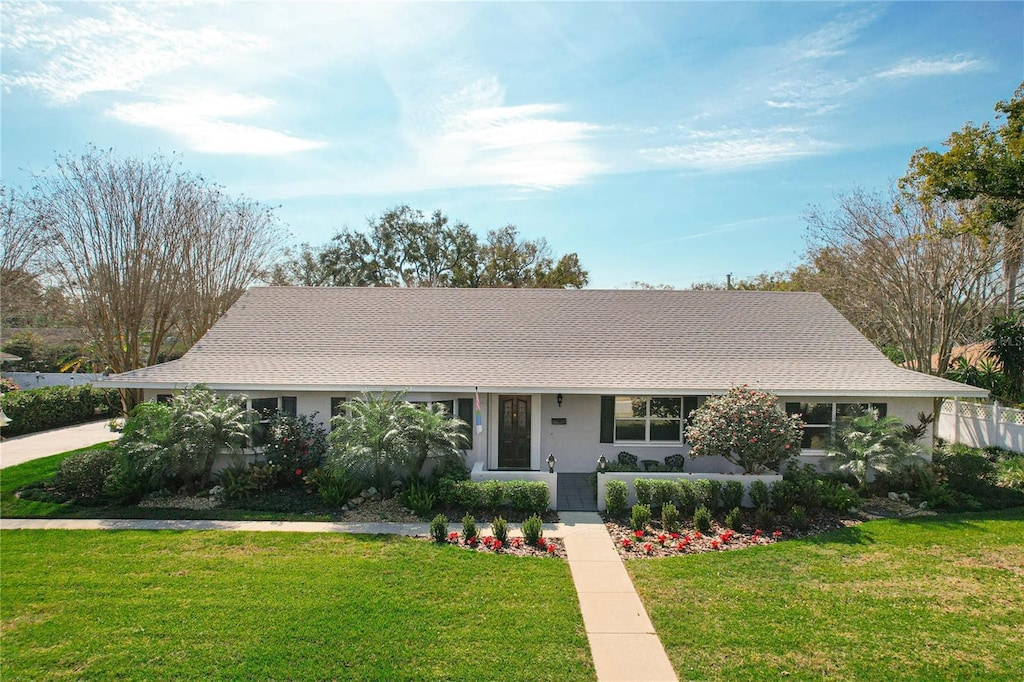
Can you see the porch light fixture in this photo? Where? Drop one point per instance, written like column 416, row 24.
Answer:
column 551, row 463
column 559, row 399
column 602, row 464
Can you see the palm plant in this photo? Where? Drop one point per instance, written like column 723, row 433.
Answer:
column 437, row 435
column 866, row 443
column 375, row 439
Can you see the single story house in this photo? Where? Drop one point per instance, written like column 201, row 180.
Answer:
column 573, row 373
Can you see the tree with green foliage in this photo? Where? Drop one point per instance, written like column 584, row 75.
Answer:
column 1007, row 334
column 747, row 428
column 405, row 248
column 437, row 436
column 866, row 444
column 984, row 164
column 374, row 438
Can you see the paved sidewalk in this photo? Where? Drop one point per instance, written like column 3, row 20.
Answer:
column 622, row 639
column 20, row 449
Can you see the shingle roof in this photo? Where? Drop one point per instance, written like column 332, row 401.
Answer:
column 539, row 340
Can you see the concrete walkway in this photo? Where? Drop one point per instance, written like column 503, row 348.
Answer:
column 622, row 638
column 20, row 449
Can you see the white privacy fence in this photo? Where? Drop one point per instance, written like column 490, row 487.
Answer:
column 27, row 380
column 981, row 425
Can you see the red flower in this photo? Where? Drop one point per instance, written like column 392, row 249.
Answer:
column 662, row 538
column 496, row 545
column 757, row 532
column 777, row 534
column 298, row 472
column 674, row 536
column 714, row 544
column 516, row 542
column 472, row 541
column 488, row 540
column 541, row 542
column 681, row 546
column 627, row 543
column 453, row 537
column 648, row 547
column 638, row 533
column 551, row 549
column 697, row 535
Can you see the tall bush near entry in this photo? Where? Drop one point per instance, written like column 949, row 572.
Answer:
column 745, row 427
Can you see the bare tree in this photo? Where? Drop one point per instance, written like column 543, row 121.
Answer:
column 20, row 242
column 892, row 265
column 145, row 250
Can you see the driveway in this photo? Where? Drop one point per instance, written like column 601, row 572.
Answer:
column 45, row 443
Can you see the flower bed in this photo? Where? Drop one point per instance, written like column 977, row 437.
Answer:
column 515, row 546
column 653, row 541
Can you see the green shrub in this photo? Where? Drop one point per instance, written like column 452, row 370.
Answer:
column 131, row 476
column 38, row 409
column 784, row 495
column 493, row 494
column 468, row 527
column 665, row 492
column 80, row 477
column 644, row 488
column 687, row 496
column 264, row 476
column 295, row 446
column 335, row 487
column 838, row 496
column 615, row 496
column 798, row 517
column 533, row 530
column 734, row 519
column 640, row 517
column 420, row 498
column 529, row 497
column 499, row 527
column 669, row 518
column 764, row 518
column 965, row 469
column 808, row 485
column 706, row 492
column 1011, row 473
column 760, row 494
column 236, row 481
column 469, row 494
column 439, row 528
column 732, row 494
column 702, row 519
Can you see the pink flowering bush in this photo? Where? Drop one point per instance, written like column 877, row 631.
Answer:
column 745, row 427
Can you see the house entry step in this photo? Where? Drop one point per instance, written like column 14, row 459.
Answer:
column 575, row 493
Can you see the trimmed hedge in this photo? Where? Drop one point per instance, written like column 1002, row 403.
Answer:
column 530, row 497
column 38, row 409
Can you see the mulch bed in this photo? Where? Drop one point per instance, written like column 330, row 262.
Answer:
column 515, row 547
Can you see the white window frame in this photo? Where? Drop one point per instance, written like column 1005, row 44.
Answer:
column 647, row 421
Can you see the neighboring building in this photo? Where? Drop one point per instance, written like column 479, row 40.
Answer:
column 576, row 373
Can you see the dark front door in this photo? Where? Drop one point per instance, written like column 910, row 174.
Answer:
column 514, row 432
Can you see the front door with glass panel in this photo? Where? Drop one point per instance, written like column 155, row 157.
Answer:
column 514, row 432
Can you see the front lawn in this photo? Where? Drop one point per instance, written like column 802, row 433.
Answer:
column 225, row 605
column 924, row 598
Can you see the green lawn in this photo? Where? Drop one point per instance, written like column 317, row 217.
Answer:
column 934, row 598
column 41, row 470
column 225, row 605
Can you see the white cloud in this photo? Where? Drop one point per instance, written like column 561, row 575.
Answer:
column 105, row 47
column 735, row 148
column 942, row 66
column 471, row 138
column 198, row 118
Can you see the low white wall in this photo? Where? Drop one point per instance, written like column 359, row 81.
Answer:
column 480, row 474
column 27, row 380
column 629, row 476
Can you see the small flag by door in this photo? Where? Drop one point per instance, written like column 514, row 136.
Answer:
column 478, row 415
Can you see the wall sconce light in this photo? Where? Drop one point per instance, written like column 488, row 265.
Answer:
column 559, row 399
column 551, row 463
column 602, row 464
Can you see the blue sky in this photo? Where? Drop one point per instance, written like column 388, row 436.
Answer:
column 664, row 142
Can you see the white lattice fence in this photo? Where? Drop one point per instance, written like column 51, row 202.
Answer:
column 981, row 425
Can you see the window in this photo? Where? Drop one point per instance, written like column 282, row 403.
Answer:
column 290, row 405
column 337, row 407
column 163, row 398
column 447, row 405
column 642, row 419
column 820, row 419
